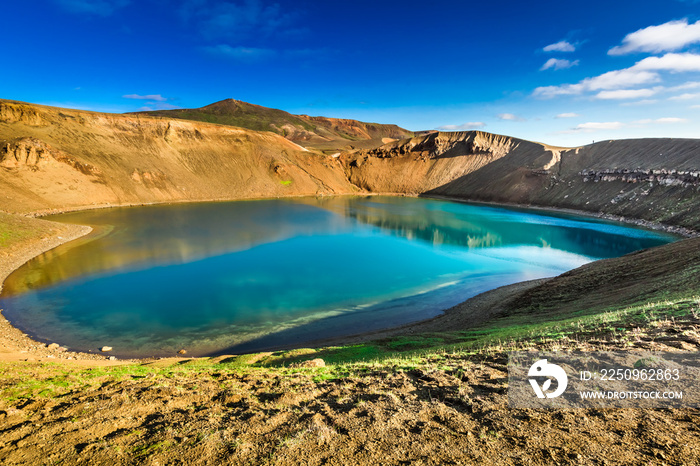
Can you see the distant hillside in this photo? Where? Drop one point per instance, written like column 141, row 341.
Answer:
column 54, row 158
column 326, row 134
column 650, row 179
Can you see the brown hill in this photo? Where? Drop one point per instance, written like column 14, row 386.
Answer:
column 651, row 179
column 54, row 158
column 326, row 134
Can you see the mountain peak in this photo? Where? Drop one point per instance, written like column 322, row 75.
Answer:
column 320, row 133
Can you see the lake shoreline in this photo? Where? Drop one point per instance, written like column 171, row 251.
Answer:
column 14, row 343
column 659, row 226
column 18, row 346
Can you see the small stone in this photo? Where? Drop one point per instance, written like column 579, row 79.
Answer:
column 182, row 351
column 106, row 348
column 54, row 346
column 112, row 358
column 318, row 362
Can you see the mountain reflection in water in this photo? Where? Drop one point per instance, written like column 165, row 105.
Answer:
column 251, row 275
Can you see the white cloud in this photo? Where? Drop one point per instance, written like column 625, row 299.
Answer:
column 648, row 121
column 548, row 92
column 686, row 96
column 640, row 102
column 597, row 126
column 567, row 115
column 154, row 97
column 666, row 37
column 627, row 93
column 643, row 72
column 670, row 120
column 561, row 46
column 558, row 64
column 510, row 117
column 611, row 80
column 686, row 86
column 463, row 126
column 673, row 62
column 619, row 79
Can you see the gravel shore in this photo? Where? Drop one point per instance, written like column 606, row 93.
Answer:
column 14, row 344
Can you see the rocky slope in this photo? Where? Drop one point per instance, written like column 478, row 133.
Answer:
column 327, row 134
column 54, row 158
column 652, row 179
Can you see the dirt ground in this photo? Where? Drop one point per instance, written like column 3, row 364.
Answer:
column 450, row 410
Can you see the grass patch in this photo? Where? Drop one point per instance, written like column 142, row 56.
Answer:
column 15, row 229
column 516, row 332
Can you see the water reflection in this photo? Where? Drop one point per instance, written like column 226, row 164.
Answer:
column 255, row 274
column 478, row 226
column 129, row 239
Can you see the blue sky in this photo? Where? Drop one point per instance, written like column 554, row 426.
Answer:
column 564, row 73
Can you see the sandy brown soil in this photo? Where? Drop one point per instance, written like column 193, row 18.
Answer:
column 451, row 409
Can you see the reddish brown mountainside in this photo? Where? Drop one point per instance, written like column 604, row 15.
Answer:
column 54, row 158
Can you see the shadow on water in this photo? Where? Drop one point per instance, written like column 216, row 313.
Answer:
column 381, row 316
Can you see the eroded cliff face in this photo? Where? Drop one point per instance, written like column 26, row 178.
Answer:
column 650, row 179
column 26, row 152
column 35, row 154
column 439, row 144
column 61, row 159
column 429, row 162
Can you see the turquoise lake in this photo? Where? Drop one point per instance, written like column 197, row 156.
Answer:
column 233, row 277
